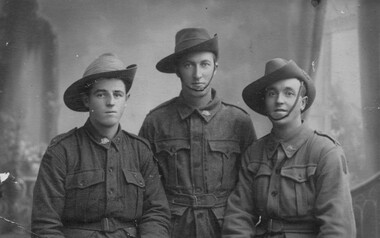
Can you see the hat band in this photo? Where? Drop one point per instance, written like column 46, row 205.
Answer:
column 188, row 43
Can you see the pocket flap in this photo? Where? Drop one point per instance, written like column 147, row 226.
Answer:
column 226, row 147
column 171, row 146
column 298, row 174
column 263, row 170
column 83, row 179
column 134, row 177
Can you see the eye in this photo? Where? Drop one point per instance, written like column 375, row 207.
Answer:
column 118, row 95
column 186, row 65
column 289, row 93
column 100, row 95
column 205, row 64
column 270, row 93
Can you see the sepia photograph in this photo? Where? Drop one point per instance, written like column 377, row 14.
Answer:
column 190, row 119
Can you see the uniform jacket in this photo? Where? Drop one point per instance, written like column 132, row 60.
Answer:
column 198, row 152
column 84, row 178
column 310, row 187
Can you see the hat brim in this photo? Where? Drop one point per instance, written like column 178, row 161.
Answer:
column 254, row 93
column 73, row 96
column 167, row 64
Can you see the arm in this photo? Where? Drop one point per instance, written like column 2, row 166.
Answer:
column 239, row 219
column 48, row 197
column 155, row 220
column 333, row 207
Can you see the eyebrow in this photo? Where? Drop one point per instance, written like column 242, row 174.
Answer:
column 275, row 89
column 103, row 91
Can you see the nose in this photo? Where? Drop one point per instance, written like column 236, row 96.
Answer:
column 110, row 101
column 197, row 72
column 280, row 98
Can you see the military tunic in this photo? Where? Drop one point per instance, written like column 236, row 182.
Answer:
column 292, row 187
column 89, row 185
column 198, row 152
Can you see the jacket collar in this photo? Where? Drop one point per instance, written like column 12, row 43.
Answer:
column 207, row 112
column 290, row 144
column 101, row 140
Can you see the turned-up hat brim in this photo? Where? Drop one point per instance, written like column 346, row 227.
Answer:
column 254, row 93
column 105, row 67
column 167, row 64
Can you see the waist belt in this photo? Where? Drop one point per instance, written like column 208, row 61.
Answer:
column 197, row 200
column 105, row 225
column 275, row 226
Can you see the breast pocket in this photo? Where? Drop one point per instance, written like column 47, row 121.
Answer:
column 298, row 189
column 84, row 191
column 261, row 174
column 173, row 159
column 223, row 161
column 133, row 191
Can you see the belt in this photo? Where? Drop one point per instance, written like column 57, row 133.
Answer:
column 197, row 200
column 276, row 226
column 105, row 225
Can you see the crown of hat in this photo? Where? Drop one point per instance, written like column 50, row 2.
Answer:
column 105, row 63
column 274, row 65
column 188, row 37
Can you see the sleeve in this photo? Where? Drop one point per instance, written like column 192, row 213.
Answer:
column 239, row 218
column 333, row 206
column 145, row 131
column 155, row 220
column 48, row 196
column 250, row 133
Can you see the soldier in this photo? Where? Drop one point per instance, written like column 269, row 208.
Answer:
column 197, row 138
column 99, row 180
column 294, row 181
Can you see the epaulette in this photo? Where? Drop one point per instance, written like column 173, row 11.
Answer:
column 164, row 104
column 233, row 105
column 60, row 137
column 139, row 138
column 320, row 133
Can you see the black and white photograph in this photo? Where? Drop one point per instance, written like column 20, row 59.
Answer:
column 189, row 119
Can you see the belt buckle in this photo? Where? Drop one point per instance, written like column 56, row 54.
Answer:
column 202, row 201
column 274, row 227
column 105, row 224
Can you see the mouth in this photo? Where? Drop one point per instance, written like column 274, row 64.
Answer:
column 198, row 86
column 280, row 110
column 111, row 112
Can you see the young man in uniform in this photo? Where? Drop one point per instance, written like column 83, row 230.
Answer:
column 197, row 138
column 98, row 180
column 294, row 181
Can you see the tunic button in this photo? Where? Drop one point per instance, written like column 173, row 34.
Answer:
column 110, row 170
column 274, row 193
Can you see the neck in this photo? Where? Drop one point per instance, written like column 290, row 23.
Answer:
column 108, row 132
column 284, row 130
column 197, row 101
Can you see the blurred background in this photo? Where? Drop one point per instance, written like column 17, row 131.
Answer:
column 45, row 45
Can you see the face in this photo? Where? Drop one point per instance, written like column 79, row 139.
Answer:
column 196, row 71
column 106, row 101
column 280, row 98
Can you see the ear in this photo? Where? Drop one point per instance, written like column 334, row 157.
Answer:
column 304, row 102
column 85, row 100
column 216, row 67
